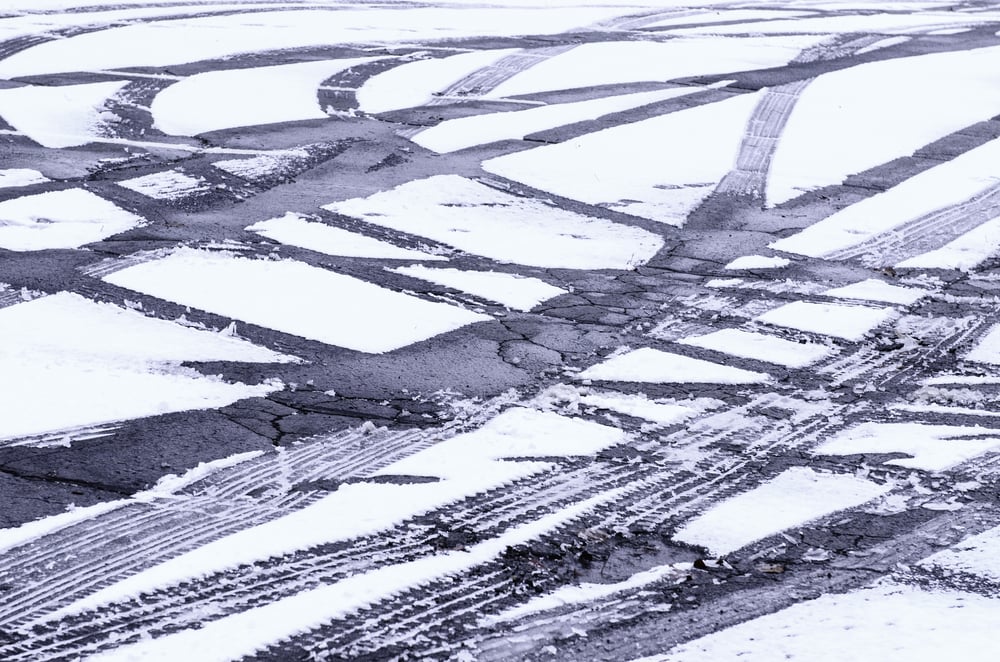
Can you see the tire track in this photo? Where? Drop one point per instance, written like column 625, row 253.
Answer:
column 489, row 78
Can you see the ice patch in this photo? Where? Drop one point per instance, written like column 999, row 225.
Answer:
column 829, row 319
column 794, row 497
column 513, row 291
column 167, row 185
column 61, row 219
column 758, row 262
column 58, row 116
column 481, row 220
column 15, row 177
column 931, row 447
column 761, row 347
column 877, row 290
column 295, row 298
column 652, row 365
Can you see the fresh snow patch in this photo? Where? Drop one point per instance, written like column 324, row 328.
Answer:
column 15, row 177
column 829, row 319
column 61, row 219
column 931, row 447
column 987, row 350
column 761, row 347
column 640, row 168
column 58, row 116
column 652, row 365
column 794, row 497
column 295, row 298
column 511, row 290
column 167, row 185
column 877, row 290
column 295, row 230
column 965, row 252
column 481, row 220
column 758, row 262
column 266, row 165
column 886, row 622
column 959, row 379
column 245, row 97
column 415, row 83
column 453, row 135
column 977, row 555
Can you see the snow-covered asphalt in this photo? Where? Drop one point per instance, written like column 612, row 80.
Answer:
column 500, row 330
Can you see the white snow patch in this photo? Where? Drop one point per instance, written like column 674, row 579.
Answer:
column 453, row 135
column 761, row 347
column 887, row 23
column 977, row 555
column 987, row 350
column 794, row 497
column 58, row 116
column 884, row 43
column 758, row 262
column 886, row 622
column 295, row 298
column 877, row 290
column 14, row 177
column 931, row 447
column 829, row 319
column 507, row 228
column 661, row 413
column 245, row 97
column 61, row 219
column 652, row 365
column 295, row 230
column 643, row 168
column 167, row 185
column 959, row 379
column 965, row 252
column 511, row 290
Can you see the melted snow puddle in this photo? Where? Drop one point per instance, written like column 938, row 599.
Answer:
column 167, row 185
column 761, row 347
column 511, row 290
column 886, row 622
column 481, row 220
column 840, row 321
column 466, row 464
column 61, row 219
column 15, row 177
column 931, row 447
column 105, row 364
column 58, row 116
column 245, row 97
column 295, row 298
column 794, row 497
column 295, row 230
column 652, row 365
column 877, row 290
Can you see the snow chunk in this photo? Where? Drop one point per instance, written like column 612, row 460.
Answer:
column 761, row 347
column 794, row 497
column 15, row 177
column 507, row 228
column 931, row 447
column 167, row 185
column 295, row 298
column 58, row 116
column 293, row 229
column 652, row 365
column 61, row 219
column 511, row 290
column 758, row 262
column 877, row 290
column 829, row 319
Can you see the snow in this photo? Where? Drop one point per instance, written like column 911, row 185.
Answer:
column 166, row 42
column 295, row 298
column 453, row 135
column 58, row 115
column 758, row 262
column 61, row 219
column 276, row 164
column 643, row 168
column 965, row 252
column 931, row 447
column 481, row 220
column 295, row 230
column 511, row 290
column 652, row 365
column 794, row 497
column 724, row 16
column 762, row 347
column 415, row 83
column 245, row 97
column 977, row 555
column 886, row 23
column 944, row 185
column 851, row 117
column 885, row 622
column 235, row 636
column 829, row 319
column 167, row 185
column 987, row 350
column 661, row 413
column 877, row 290
column 467, row 464
column 621, row 62
column 14, row 177
column 959, row 379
